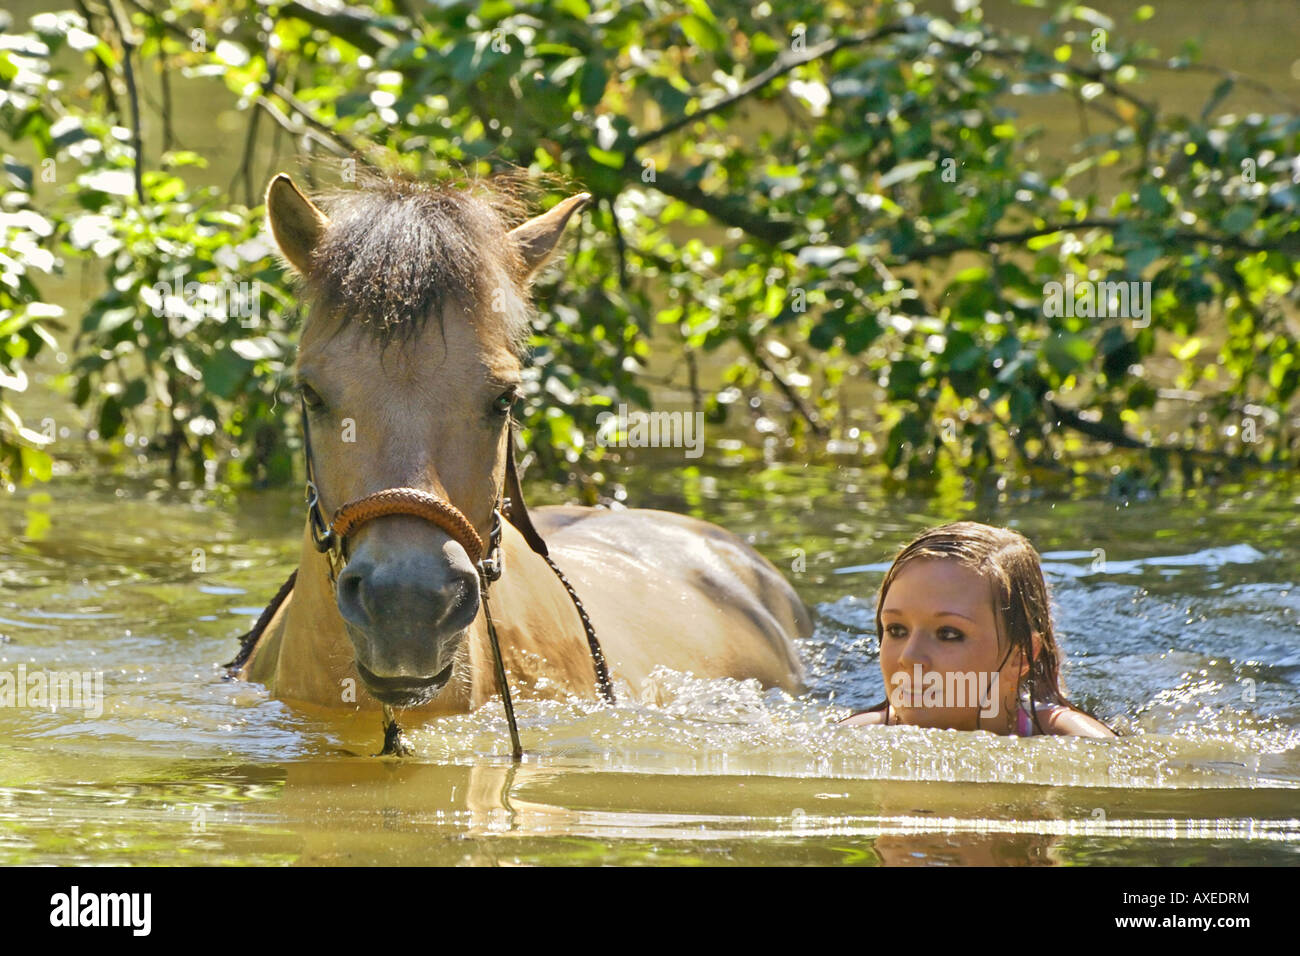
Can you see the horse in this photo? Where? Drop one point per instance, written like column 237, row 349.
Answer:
column 418, row 301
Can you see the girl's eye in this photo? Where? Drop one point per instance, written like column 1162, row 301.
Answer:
column 310, row 397
column 896, row 630
column 950, row 634
column 502, row 404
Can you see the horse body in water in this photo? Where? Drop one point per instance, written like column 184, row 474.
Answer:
column 409, row 363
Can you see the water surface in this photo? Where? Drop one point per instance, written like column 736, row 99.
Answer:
column 1180, row 619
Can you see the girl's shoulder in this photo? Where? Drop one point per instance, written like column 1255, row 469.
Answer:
column 864, row 718
column 1062, row 720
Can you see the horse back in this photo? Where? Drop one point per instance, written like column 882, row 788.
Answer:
column 679, row 591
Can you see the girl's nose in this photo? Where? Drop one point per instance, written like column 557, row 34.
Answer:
column 914, row 650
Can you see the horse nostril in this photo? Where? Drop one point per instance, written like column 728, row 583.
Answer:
column 462, row 608
column 396, row 598
column 350, row 602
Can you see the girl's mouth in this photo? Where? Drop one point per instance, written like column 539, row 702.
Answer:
column 907, row 692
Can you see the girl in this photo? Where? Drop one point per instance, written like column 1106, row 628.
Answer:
column 966, row 638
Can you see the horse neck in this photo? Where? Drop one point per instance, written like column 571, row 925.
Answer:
column 540, row 632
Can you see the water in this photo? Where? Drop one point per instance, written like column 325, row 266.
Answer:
column 1184, row 633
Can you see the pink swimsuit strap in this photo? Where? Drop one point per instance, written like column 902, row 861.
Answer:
column 1024, row 724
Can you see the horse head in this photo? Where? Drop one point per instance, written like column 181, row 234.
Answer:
column 409, row 364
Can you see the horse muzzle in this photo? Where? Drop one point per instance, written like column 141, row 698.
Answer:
column 404, row 691
column 406, row 610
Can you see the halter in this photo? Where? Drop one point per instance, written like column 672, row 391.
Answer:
column 331, row 539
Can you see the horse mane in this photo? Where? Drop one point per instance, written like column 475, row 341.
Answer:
column 399, row 250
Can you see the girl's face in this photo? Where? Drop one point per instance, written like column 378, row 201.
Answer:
column 939, row 650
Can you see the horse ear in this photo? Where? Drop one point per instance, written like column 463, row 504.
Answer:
column 538, row 238
column 296, row 224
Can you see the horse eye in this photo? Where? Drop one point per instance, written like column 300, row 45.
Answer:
column 310, row 396
column 504, row 402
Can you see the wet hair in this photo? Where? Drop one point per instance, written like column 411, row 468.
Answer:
column 1021, row 601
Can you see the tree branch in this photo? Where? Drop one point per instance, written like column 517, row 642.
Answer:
column 1239, row 78
column 351, row 145
column 1288, row 243
column 353, row 24
column 783, row 64
column 1098, row 430
column 737, row 211
column 300, row 129
column 110, row 97
column 805, row 411
column 128, row 48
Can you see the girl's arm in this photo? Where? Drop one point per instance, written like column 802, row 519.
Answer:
column 1066, row 721
column 864, row 719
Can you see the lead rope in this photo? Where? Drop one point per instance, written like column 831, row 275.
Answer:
column 489, row 570
column 597, row 655
column 516, row 749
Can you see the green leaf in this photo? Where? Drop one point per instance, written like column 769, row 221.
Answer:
column 592, row 85
column 1136, row 260
column 1038, row 243
column 1066, row 352
column 224, row 373
column 701, row 10
column 1218, row 96
column 183, row 157
column 136, row 392
column 971, row 274
column 1150, row 199
column 110, row 418
column 36, row 464
column 904, row 377
column 859, row 334
column 605, row 157
column 701, row 34
column 577, row 9
column 1239, row 218
column 905, row 172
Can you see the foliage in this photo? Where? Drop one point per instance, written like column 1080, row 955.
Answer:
column 25, row 320
column 839, row 203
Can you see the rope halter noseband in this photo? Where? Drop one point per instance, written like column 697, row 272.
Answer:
column 331, row 538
